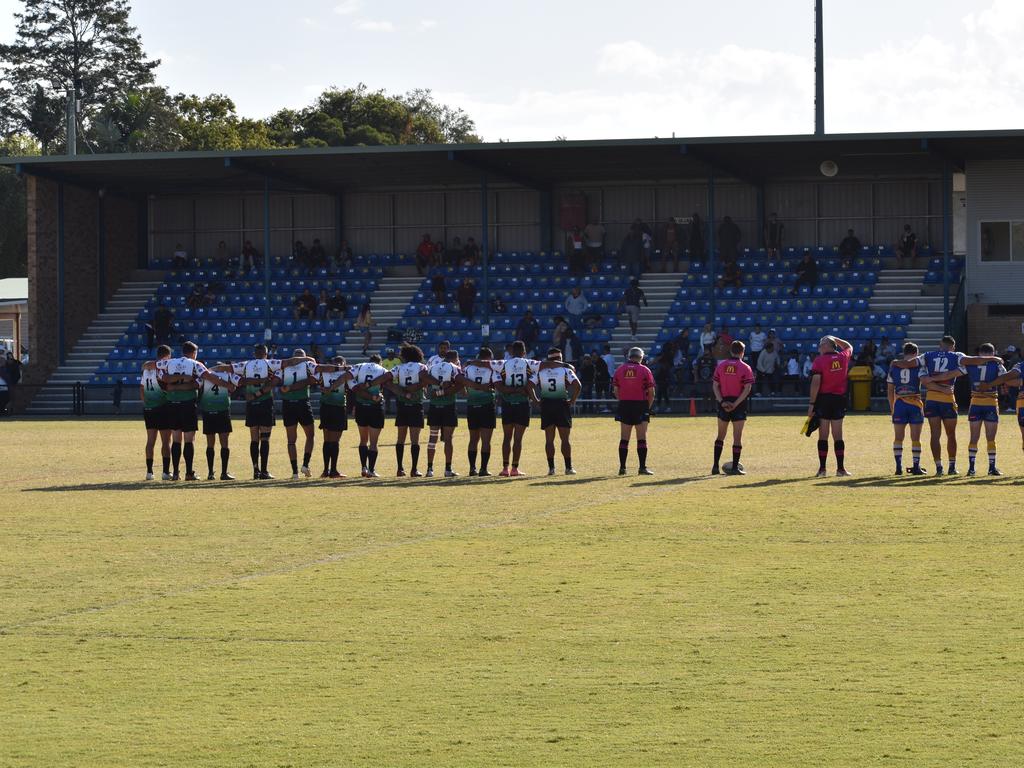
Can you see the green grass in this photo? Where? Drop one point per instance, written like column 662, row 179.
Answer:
column 684, row 620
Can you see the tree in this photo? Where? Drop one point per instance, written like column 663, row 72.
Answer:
column 13, row 212
column 211, row 123
column 60, row 45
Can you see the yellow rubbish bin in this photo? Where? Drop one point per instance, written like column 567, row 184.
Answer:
column 860, row 383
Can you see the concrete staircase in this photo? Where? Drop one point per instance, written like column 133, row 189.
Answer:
column 56, row 397
column 902, row 290
column 661, row 289
column 388, row 304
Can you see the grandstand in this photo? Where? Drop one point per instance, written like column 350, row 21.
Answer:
column 100, row 264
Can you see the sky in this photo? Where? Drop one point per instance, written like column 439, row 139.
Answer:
column 534, row 70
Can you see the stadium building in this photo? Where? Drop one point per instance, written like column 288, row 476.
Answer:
column 103, row 231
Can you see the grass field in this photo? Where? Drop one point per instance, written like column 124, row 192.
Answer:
column 684, row 620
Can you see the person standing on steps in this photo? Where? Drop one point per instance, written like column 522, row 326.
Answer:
column 631, row 300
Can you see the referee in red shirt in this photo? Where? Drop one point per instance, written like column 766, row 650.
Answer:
column 732, row 384
column 633, row 384
column 828, row 398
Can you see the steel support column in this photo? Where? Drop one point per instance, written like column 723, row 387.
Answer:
column 712, row 262
column 485, row 247
column 546, row 243
column 60, row 273
column 947, row 238
column 266, row 256
column 761, row 214
column 338, row 221
column 101, row 252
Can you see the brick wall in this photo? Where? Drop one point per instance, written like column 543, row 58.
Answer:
column 81, row 265
column 1000, row 330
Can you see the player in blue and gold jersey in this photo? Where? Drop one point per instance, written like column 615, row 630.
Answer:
column 907, row 407
column 1014, row 376
column 939, row 403
column 984, row 403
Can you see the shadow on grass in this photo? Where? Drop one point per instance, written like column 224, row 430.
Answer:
column 670, row 481
column 573, row 481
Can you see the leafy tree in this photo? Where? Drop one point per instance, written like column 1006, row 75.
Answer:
column 60, row 45
column 138, row 121
column 211, row 123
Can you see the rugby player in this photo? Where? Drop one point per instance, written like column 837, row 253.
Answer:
column 333, row 414
column 478, row 379
column 296, row 410
column 515, row 407
column 407, row 381
column 259, row 376
column 215, row 407
column 633, row 387
column 732, row 383
column 904, row 390
column 154, row 413
column 984, row 409
column 939, row 402
column 828, row 399
column 556, row 387
column 441, row 413
column 443, row 348
column 369, row 408
column 1015, row 376
column 181, row 377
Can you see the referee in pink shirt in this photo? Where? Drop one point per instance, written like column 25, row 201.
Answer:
column 732, row 383
column 633, row 385
column 828, row 399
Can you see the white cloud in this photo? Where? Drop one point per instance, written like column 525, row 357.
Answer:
column 375, row 26
column 428, row 23
column 348, row 7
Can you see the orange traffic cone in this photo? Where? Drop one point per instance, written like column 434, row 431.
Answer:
column 693, row 407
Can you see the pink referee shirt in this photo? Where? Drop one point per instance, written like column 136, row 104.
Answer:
column 833, row 368
column 633, row 380
column 732, row 376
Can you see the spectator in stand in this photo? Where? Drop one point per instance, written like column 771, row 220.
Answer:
column 364, row 323
column 197, row 298
column 528, row 331
column 646, row 242
column 465, row 294
column 707, row 339
column 696, row 240
column 250, row 256
column 602, row 379
column 769, row 370
column 631, row 300
column 498, row 305
column 576, row 305
column 5, row 393
column 805, row 372
column 593, row 237
column 440, row 254
column 305, row 305
column 663, row 378
column 222, row 259
column 13, row 367
column 180, row 256
column 907, row 248
column 729, row 240
column 440, row 288
column 731, row 276
column 454, row 254
column 587, row 373
column 337, row 305
column 471, row 254
column 574, row 251
column 755, row 343
column 670, row 245
column 775, row 340
column 682, row 339
column 704, row 374
column 631, row 253
column 321, row 305
column 867, row 355
column 163, row 326
column 725, row 338
column 806, row 273
column 345, row 258
column 887, row 352
column 560, row 335
column 424, row 255
column 792, row 375
column 300, row 254
column 682, row 371
column 609, row 360
column 317, row 254
column 849, row 249
column 773, row 232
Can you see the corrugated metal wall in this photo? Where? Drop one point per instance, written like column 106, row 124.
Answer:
column 994, row 194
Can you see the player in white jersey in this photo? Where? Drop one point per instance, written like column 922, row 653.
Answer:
column 182, row 377
column 556, row 387
column 441, row 414
column 369, row 407
column 333, row 414
column 154, row 412
column 296, row 410
column 515, row 406
column 442, row 352
column 478, row 379
column 215, row 407
column 408, row 380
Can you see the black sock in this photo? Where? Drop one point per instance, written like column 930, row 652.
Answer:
column 363, row 450
column 415, row 450
column 254, row 454
column 471, row 454
column 840, row 454
column 166, row 460
column 189, row 453
column 371, row 459
column 718, row 451
column 641, row 452
column 485, row 456
column 225, row 454
column 335, row 454
column 736, row 451
column 176, row 456
column 551, row 462
column 568, row 458
column 325, row 449
column 447, row 467
column 400, row 455
column 623, row 453
column 149, row 466
column 211, row 454
column 295, row 465
column 822, row 453
column 264, row 453
column 305, row 459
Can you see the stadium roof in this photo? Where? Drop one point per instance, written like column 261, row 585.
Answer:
column 531, row 164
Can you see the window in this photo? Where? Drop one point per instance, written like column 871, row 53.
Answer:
column 995, row 241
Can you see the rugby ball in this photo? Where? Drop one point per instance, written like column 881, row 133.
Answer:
column 727, row 467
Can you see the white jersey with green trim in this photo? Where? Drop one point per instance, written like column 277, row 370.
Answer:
column 408, row 374
column 554, row 383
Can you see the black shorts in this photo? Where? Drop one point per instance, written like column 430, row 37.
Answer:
column 217, row 423
column 409, row 415
column 296, row 412
column 633, row 412
column 737, row 414
column 830, row 407
column 555, row 413
column 516, row 413
column 481, row 416
column 156, row 418
column 333, row 418
column 183, row 416
column 259, row 413
column 370, row 415
column 442, row 416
